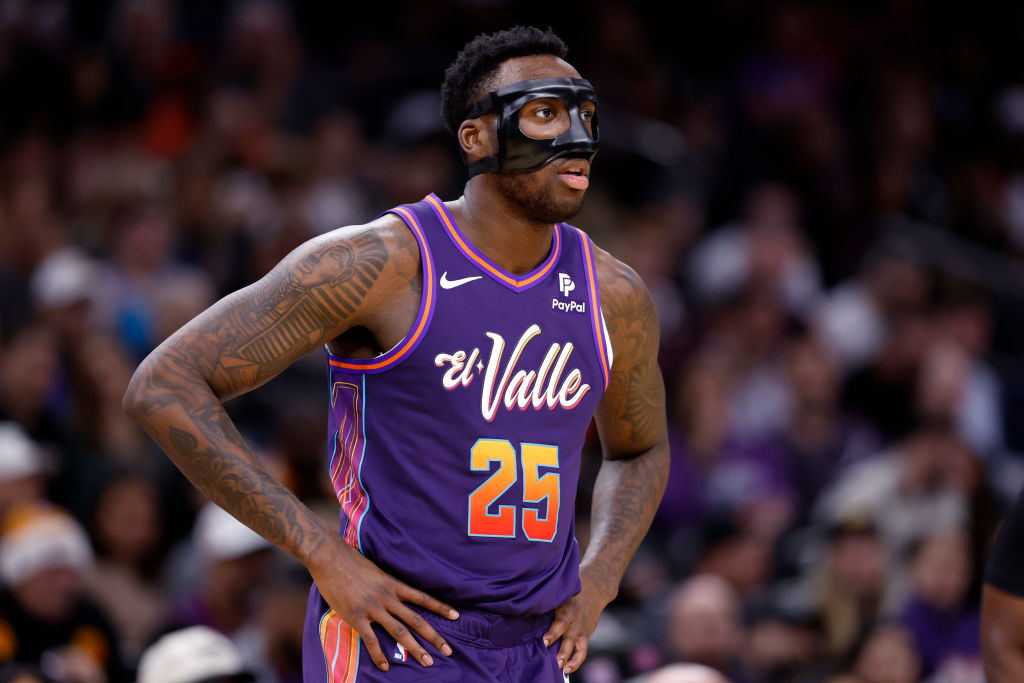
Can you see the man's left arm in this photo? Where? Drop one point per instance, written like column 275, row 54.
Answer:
column 631, row 423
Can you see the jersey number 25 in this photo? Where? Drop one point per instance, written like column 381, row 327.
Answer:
column 536, row 489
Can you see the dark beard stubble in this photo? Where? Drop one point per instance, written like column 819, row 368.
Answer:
column 534, row 198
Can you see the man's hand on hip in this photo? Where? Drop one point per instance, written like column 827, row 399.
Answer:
column 361, row 594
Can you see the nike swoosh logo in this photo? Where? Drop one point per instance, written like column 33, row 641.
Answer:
column 451, row 284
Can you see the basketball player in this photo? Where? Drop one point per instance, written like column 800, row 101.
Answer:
column 1002, row 601
column 469, row 345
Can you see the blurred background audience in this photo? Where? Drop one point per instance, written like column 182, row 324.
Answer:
column 826, row 200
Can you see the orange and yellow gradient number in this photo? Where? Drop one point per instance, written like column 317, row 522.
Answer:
column 537, row 489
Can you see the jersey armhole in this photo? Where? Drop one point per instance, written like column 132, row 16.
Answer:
column 408, row 344
column 602, row 340
column 607, row 342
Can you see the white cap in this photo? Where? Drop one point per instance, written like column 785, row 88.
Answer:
column 40, row 536
column 682, row 672
column 191, row 654
column 219, row 536
column 62, row 278
column 19, row 455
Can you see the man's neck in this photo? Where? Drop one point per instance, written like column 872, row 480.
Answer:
column 494, row 227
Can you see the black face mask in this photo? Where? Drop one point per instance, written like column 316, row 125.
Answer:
column 519, row 152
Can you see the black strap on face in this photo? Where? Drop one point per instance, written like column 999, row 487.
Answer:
column 519, row 152
column 489, row 164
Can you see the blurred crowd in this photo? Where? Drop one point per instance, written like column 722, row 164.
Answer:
column 826, row 200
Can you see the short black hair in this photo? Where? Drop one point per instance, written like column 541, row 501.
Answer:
column 467, row 79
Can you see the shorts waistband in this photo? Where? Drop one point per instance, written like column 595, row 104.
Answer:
column 487, row 629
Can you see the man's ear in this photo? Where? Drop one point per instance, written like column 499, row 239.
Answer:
column 478, row 138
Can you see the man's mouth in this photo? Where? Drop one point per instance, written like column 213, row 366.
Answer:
column 575, row 175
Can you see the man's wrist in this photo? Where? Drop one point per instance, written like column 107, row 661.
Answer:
column 601, row 580
column 316, row 546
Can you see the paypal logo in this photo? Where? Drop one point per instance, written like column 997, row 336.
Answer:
column 565, row 284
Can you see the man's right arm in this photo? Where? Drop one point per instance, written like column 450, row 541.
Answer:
column 1002, row 600
column 1002, row 635
column 320, row 290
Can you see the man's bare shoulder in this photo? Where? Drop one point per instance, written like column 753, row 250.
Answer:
column 631, row 417
column 387, row 233
column 376, row 260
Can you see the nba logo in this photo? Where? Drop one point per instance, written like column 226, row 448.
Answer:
column 400, row 653
column 565, row 284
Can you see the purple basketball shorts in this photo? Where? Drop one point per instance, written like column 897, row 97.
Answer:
column 486, row 648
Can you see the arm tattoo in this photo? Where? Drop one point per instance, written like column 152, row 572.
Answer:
column 636, row 394
column 626, row 496
column 292, row 312
column 247, row 490
column 234, row 346
column 327, row 286
column 632, row 424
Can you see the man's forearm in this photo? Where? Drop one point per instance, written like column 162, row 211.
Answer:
column 236, row 345
column 626, row 496
column 184, row 417
column 1002, row 635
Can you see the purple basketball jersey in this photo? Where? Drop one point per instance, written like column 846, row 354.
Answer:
column 455, row 456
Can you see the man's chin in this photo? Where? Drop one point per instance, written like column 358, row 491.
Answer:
column 555, row 212
column 571, row 210
column 540, row 197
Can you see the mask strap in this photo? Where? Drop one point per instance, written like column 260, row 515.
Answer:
column 481, row 107
column 476, row 110
column 487, row 165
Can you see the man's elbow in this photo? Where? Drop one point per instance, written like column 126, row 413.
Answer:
column 135, row 397
column 148, row 384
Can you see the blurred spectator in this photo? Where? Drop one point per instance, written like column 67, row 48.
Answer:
column 30, row 385
column 944, row 626
column 100, row 370
column 906, row 489
column 764, row 249
column 415, row 155
column 337, row 195
column 750, row 328
column 650, row 241
column 965, row 322
column 716, row 471
column 62, row 289
column 196, row 654
column 33, row 395
column 888, row 655
column 22, row 468
column 736, row 553
column 854, row 319
column 141, row 267
column 22, row 673
column 852, row 587
column 822, row 438
column 232, row 565
column 885, row 392
column 277, row 654
column 685, row 673
column 704, row 625
column 45, row 618
column 262, row 52
column 33, row 209
column 903, row 138
column 784, row 641
column 125, row 525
